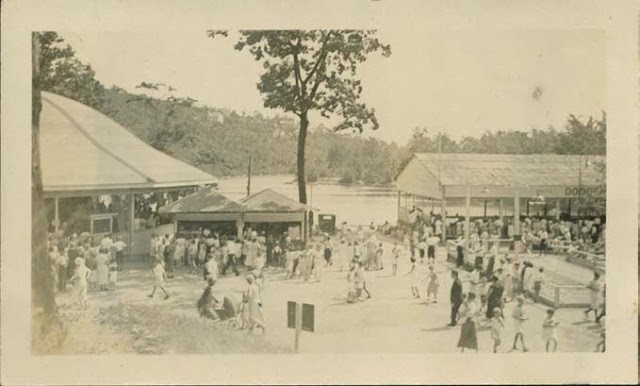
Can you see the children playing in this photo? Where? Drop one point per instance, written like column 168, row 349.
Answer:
column 497, row 324
column 550, row 331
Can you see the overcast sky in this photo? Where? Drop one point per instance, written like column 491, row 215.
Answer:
column 460, row 81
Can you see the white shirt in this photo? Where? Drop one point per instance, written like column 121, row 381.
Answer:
column 120, row 245
column 433, row 241
column 106, row 242
column 212, row 269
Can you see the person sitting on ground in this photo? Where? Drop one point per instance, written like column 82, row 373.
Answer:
column 208, row 303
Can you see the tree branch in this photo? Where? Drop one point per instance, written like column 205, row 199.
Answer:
column 321, row 57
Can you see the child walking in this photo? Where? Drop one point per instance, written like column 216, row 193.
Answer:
column 160, row 276
column 396, row 256
column 432, row 287
column 497, row 324
column 520, row 318
column 415, row 278
column 550, row 331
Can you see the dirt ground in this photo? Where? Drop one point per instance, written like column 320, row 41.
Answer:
column 391, row 321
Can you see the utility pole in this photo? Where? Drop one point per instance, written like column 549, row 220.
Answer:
column 249, row 177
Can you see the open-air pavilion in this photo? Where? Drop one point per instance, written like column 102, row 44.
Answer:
column 273, row 212
column 84, row 153
column 555, row 184
column 205, row 209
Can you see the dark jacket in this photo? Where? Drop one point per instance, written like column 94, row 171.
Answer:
column 456, row 292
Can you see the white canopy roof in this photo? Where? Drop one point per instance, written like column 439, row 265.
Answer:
column 83, row 151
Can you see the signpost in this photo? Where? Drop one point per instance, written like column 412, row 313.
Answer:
column 300, row 316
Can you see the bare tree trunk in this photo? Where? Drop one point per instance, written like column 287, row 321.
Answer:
column 46, row 327
column 302, row 138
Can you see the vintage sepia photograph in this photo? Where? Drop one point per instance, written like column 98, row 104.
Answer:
column 266, row 195
column 351, row 192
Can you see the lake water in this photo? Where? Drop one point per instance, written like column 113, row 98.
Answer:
column 357, row 205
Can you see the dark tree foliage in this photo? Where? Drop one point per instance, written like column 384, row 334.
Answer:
column 313, row 70
column 62, row 73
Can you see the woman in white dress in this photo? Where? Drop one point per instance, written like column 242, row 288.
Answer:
column 254, row 305
column 102, row 269
column 79, row 280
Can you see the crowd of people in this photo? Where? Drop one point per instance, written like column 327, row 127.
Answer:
column 478, row 297
column 541, row 234
column 85, row 262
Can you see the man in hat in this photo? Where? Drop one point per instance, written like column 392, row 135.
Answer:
column 455, row 297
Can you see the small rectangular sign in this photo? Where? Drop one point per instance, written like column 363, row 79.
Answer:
column 308, row 317
column 291, row 314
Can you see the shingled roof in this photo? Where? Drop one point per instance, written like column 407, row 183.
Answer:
column 203, row 201
column 510, row 169
column 271, row 201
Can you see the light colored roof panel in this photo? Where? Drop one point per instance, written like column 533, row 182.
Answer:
column 271, row 201
column 203, row 201
column 511, row 169
column 83, row 149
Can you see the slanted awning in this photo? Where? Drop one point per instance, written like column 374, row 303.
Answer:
column 270, row 206
column 84, row 152
column 203, row 201
column 269, row 200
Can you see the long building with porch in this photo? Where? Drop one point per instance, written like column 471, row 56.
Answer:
column 544, row 185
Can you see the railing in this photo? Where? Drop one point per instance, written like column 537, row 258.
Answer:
column 565, row 296
column 589, row 260
column 552, row 294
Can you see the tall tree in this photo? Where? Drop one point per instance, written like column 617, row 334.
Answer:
column 42, row 299
column 62, row 73
column 313, row 70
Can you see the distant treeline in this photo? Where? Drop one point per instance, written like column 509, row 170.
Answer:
column 220, row 141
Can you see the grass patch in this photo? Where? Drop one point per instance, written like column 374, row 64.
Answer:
column 155, row 331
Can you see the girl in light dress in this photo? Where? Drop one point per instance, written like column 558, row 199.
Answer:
column 253, row 299
column 432, row 287
column 414, row 276
column 102, row 269
column 80, row 284
column 550, row 331
column 396, row 251
column 497, row 324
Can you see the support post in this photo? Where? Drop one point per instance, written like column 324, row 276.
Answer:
column 516, row 223
column 132, row 220
column 485, row 208
column 239, row 228
column 467, row 220
column 556, row 297
column 558, row 210
column 443, row 211
column 500, row 209
column 56, row 218
column 399, row 206
column 298, row 326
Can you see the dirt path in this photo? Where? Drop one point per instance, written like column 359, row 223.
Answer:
column 392, row 321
